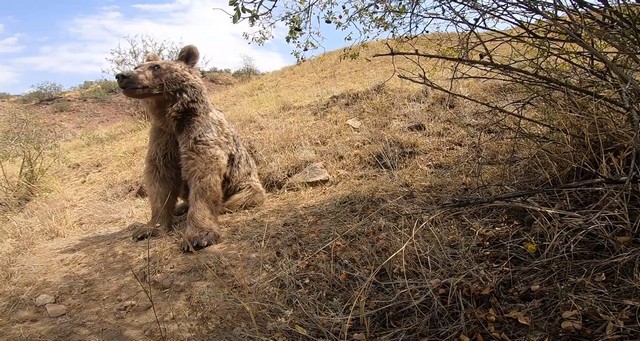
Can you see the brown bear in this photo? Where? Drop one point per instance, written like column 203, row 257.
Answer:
column 194, row 153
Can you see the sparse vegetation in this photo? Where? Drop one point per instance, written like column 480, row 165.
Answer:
column 134, row 49
column 247, row 70
column 27, row 152
column 43, row 92
column 218, row 70
column 61, row 106
column 100, row 90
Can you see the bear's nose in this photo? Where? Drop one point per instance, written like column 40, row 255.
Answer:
column 122, row 76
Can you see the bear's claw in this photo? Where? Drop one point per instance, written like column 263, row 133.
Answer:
column 200, row 240
column 144, row 231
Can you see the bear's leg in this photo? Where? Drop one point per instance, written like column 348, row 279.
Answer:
column 162, row 196
column 204, row 174
column 202, row 216
column 251, row 195
column 163, row 182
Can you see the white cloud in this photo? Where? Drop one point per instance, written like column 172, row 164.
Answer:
column 174, row 6
column 10, row 44
column 66, row 58
column 190, row 21
column 8, row 76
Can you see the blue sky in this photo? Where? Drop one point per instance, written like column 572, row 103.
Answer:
column 67, row 41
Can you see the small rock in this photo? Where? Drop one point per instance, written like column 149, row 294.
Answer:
column 178, row 286
column 126, row 305
column 44, row 299
column 311, row 175
column 82, row 331
column 166, row 283
column 55, row 310
column 142, row 306
column 354, row 123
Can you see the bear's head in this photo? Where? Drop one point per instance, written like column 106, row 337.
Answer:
column 157, row 77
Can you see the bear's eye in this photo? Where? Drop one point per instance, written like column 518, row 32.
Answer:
column 156, row 67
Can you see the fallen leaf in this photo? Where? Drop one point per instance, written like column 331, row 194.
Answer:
column 301, row 330
column 520, row 317
column 567, row 325
column 531, row 247
column 569, row 314
column 599, row 277
column 435, row 282
column 463, row 338
column 514, row 314
column 609, row 328
column 358, row 337
column 343, row 276
column 491, row 316
column 624, row 240
column 535, row 287
column 571, row 325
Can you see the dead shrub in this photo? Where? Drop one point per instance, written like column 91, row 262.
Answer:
column 27, row 151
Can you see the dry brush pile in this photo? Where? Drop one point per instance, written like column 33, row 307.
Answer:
column 477, row 227
column 512, row 215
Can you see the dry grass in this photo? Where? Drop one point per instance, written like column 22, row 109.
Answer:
column 410, row 240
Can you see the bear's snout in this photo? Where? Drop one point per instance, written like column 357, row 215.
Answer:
column 122, row 76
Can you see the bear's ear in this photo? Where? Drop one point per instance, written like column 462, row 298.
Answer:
column 152, row 57
column 189, row 55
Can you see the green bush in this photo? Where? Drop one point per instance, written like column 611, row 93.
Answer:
column 43, row 92
column 99, row 90
column 61, row 106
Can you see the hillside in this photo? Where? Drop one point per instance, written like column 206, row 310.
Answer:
column 377, row 252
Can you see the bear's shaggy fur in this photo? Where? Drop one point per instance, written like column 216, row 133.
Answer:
column 194, row 153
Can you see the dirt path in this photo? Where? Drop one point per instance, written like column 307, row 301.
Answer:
column 92, row 276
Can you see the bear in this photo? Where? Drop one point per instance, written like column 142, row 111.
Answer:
column 194, row 154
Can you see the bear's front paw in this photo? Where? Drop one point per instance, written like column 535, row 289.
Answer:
column 199, row 239
column 144, row 231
